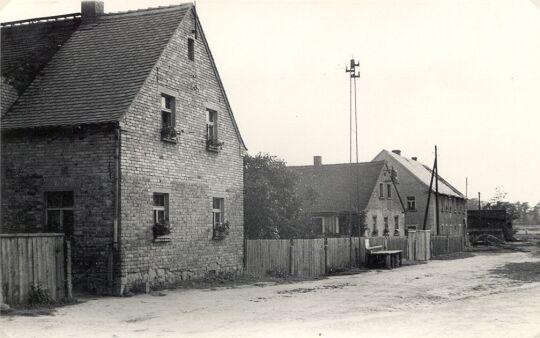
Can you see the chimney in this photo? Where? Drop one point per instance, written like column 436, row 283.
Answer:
column 91, row 10
column 317, row 161
column 397, row 152
column 414, row 158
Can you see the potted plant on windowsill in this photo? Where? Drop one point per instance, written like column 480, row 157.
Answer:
column 221, row 230
column 160, row 230
column 214, row 145
column 168, row 134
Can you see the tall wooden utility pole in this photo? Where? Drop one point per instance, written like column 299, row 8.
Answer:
column 426, row 214
column 436, row 169
column 354, row 171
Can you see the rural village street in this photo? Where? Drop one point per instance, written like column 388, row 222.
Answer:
column 452, row 298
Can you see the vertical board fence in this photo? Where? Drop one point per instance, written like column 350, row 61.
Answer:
column 313, row 257
column 339, row 254
column 316, row 257
column 308, row 257
column 419, row 243
column 29, row 260
column 442, row 245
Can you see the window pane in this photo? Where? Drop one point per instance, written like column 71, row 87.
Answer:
column 166, row 119
column 159, row 200
column 216, row 203
column 166, row 102
column 191, row 49
column 54, row 223
column 68, row 222
column 59, row 199
column 161, row 216
column 211, row 116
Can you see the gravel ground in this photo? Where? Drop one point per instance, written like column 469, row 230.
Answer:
column 468, row 297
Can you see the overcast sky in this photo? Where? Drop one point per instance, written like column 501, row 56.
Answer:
column 464, row 75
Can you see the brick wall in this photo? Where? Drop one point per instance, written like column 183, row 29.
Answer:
column 452, row 223
column 189, row 173
column 83, row 161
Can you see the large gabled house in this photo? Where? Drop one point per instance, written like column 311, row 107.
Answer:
column 116, row 130
column 414, row 179
column 344, row 192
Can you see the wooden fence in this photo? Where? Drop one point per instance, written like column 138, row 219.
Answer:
column 419, row 242
column 442, row 245
column 31, row 260
column 316, row 257
column 313, row 257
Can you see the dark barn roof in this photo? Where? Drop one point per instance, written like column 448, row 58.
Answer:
column 98, row 70
column 27, row 48
column 335, row 184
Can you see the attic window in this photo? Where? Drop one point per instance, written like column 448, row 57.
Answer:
column 191, row 49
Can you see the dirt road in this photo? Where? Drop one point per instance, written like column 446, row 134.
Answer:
column 453, row 298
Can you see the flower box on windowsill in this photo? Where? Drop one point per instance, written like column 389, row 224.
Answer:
column 169, row 134
column 162, row 239
column 221, row 231
column 214, row 145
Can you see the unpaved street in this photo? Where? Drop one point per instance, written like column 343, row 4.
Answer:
column 454, row 298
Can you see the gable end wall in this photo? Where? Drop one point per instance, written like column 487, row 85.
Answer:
column 189, row 173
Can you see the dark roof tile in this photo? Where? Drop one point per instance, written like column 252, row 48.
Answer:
column 335, row 184
column 98, row 72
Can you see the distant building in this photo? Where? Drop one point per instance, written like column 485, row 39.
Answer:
column 116, row 131
column 344, row 191
column 489, row 222
column 413, row 180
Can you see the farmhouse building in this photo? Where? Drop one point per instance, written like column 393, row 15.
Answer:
column 116, row 131
column 358, row 198
column 413, row 180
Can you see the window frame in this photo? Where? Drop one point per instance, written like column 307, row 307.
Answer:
column 381, row 190
column 212, row 138
column 168, row 131
column 62, row 209
column 220, row 210
column 191, row 49
column 389, row 191
column 409, row 199
column 158, row 208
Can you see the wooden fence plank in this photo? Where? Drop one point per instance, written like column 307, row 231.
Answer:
column 30, row 259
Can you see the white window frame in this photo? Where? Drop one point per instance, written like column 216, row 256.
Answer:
column 220, row 212
column 171, row 111
column 156, row 209
column 211, row 123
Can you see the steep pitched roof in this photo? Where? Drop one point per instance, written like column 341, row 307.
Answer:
column 97, row 73
column 335, row 184
column 26, row 48
column 421, row 171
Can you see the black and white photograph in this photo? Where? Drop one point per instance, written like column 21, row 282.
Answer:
column 270, row 168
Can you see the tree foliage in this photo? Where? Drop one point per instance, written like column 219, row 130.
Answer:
column 273, row 199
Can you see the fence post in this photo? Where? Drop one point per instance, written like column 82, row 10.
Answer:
column 291, row 257
column 447, row 244
column 350, row 251
column 325, row 255
column 244, row 260
column 69, row 286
